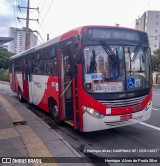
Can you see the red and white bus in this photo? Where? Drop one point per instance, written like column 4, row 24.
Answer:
column 92, row 77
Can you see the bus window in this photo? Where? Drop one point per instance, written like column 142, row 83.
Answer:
column 18, row 66
column 103, row 73
column 67, row 66
column 45, row 61
column 52, row 62
column 137, row 67
column 37, row 63
column 10, row 66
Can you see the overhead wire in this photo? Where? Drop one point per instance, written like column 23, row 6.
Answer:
column 41, row 37
column 43, row 18
column 20, row 14
column 39, row 40
column 46, row 13
column 44, row 32
column 14, row 12
column 41, row 8
column 40, row 26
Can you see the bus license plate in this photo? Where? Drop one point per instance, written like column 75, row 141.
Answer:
column 126, row 117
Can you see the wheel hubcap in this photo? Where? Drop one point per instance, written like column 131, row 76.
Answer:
column 55, row 112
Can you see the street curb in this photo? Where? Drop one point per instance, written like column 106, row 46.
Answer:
column 4, row 82
column 65, row 142
column 156, row 85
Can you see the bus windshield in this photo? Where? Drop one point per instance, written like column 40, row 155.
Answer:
column 116, row 68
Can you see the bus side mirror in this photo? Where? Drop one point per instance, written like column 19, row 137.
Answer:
column 78, row 55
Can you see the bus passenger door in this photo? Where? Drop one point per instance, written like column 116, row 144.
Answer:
column 67, row 90
column 25, row 79
column 30, row 80
column 66, row 82
column 13, row 83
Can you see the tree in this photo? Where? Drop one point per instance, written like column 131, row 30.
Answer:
column 4, row 58
column 156, row 61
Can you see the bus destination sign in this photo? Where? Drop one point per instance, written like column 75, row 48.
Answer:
column 114, row 33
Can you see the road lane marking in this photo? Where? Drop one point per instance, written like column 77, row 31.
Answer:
column 155, row 109
column 151, row 126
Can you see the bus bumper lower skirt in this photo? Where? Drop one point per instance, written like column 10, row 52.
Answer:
column 91, row 123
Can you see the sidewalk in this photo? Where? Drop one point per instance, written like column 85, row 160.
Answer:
column 156, row 85
column 23, row 134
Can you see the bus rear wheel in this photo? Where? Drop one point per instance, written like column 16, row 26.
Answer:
column 53, row 109
column 20, row 95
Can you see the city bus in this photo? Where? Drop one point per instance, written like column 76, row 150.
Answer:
column 91, row 77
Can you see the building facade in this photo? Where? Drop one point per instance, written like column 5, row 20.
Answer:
column 150, row 22
column 18, row 44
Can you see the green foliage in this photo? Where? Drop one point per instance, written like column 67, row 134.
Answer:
column 156, row 61
column 4, row 75
column 4, row 58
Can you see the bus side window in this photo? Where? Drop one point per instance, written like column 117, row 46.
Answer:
column 52, row 62
column 18, row 66
column 67, row 65
column 45, row 61
column 37, row 63
column 34, row 64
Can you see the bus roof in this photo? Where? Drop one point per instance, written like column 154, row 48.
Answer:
column 67, row 35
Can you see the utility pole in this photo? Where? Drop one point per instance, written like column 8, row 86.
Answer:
column 27, row 30
column 27, row 42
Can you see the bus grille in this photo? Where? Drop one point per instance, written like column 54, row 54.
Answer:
column 123, row 103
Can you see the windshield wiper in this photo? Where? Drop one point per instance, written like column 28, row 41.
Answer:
column 110, row 53
column 113, row 60
column 135, row 51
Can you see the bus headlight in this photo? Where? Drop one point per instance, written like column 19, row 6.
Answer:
column 148, row 105
column 92, row 112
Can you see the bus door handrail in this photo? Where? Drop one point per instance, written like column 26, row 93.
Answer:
column 65, row 88
column 66, row 82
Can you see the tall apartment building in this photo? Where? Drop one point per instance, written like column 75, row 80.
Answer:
column 150, row 22
column 18, row 44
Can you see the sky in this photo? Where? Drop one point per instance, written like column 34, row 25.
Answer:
column 58, row 16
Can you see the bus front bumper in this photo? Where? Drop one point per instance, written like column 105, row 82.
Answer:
column 91, row 123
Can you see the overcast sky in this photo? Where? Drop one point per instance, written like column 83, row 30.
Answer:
column 59, row 16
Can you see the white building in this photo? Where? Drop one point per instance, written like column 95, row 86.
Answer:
column 18, row 44
column 150, row 22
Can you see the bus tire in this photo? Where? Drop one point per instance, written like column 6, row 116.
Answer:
column 53, row 109
column 20, row 95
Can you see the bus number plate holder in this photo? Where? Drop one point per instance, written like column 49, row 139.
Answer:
column 126, row 117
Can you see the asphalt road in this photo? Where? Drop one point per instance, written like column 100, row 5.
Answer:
column 138, row 140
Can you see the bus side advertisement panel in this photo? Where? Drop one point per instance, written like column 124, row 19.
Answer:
column 44, row 87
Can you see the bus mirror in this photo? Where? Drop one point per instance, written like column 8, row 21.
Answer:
column 78, row 55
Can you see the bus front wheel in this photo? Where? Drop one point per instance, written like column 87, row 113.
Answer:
column 53, row 109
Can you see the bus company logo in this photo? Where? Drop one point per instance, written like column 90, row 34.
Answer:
column 126, row 95
column 137, row 108
column 122, row 95
column 130, row 94
column 38, row 84
column 6, row 160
